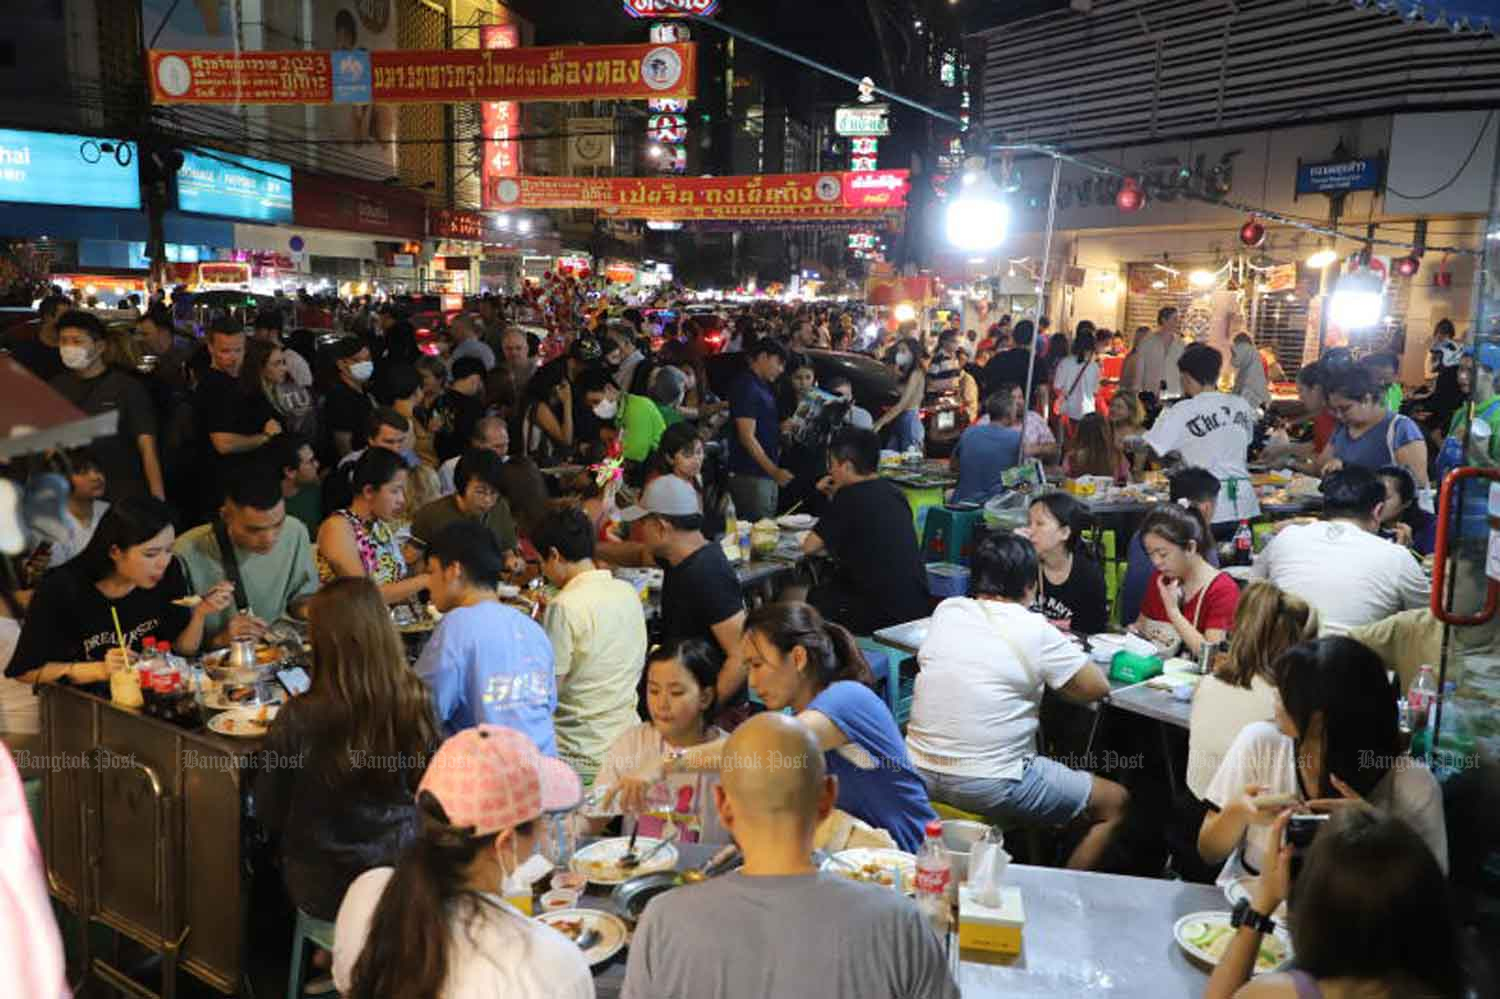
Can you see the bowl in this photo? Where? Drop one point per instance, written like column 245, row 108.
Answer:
column 559, row 898
column 959, row 836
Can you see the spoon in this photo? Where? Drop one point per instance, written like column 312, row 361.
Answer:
column 629, row 858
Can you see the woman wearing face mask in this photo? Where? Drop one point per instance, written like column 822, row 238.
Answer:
column 437, row 924
column 346, row 406
column 334, row 817
column 1188, row 601
column 909, row 361
column 601, row 403
column 127, row 570
column 360, row 540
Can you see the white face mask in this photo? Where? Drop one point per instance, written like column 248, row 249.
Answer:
column 520, row 880
column 606, row 409
column 76, row 358
column 903, row 358
column 361, row 371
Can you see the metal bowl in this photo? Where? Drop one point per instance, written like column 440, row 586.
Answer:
column 630, row 897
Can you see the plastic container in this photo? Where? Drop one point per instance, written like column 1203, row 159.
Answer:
column 959, row 836
column 1421, row 696
column 947, row 579
column 559, row 898
column 935, row 887
column 1128, row 667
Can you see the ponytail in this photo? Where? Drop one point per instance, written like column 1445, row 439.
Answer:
column 832, row 652
column 405, row 954
column 1180, row 523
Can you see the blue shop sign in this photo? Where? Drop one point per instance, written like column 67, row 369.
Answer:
column 235, row 186
column 48, row 168
column 1339, row 178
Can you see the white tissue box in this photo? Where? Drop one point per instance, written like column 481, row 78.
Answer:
column 989, row 929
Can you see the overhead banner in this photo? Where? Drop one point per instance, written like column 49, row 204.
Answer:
column 426, row 76
column 801, row 196
column 499, row 121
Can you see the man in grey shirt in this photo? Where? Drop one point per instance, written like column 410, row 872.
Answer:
column 778, row 928
column 466, row 342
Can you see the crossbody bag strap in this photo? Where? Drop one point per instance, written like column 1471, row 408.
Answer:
column 1202, row 598
column 1010, row 643
column 231, row 564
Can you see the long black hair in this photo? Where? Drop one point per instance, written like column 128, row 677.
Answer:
column 406, row 954
column 1180, row 522
column 832, row 652
column 1069, row 513
column 130, row 522
column 1346, row 683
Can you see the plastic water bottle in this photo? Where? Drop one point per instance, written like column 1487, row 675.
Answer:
column 1421, row 697
column 1244, row 544
column 935, row 886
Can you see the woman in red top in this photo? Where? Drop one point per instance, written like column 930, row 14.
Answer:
column 1187, row 602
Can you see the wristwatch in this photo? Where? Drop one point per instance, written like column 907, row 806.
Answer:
column 1243, row 915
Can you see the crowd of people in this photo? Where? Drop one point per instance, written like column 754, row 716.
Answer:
column 260, row 479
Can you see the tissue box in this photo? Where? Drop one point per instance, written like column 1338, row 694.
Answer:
column 991, row 930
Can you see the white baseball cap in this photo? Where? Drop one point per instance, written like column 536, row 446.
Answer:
column 666, row 496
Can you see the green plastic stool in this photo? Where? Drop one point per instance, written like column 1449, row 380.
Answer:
column 921, row 500
column 308, row 930
column 948, row 535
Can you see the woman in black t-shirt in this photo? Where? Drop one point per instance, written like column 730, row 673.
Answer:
column 69, row 631
column 1070, row 591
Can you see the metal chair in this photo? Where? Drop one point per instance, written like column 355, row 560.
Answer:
column 308, row 930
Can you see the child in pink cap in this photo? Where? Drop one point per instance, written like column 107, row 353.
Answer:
column 438, row 915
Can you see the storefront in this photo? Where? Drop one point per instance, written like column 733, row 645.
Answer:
column 352, row 235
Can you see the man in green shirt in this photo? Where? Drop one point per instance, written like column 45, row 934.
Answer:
column 297, row 467
column 272, row 553
column 478, row 479
column 668, row 386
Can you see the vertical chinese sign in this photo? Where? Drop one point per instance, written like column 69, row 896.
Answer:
column 500, row 121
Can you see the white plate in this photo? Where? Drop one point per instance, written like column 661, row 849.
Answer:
column 611, row 929
column 797, row 521
column 1186, row 929
column 1243, row 887
column 597, row 861
column 244, row 723
column 896, row 862
column 214, row 700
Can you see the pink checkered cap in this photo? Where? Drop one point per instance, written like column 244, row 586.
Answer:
column 493, row 778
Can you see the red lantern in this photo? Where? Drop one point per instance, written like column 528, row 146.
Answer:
column 1408, row 266
column 1252, row 233
column 1131, row 198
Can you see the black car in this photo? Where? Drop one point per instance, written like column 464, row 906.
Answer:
column 875, row 386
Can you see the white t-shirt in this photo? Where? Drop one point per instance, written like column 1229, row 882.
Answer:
column 1220, row 711
column 496, row 955
column 74, row 535
column 974, row 710
column 687, row 800
column 1079, row 402
column 1213, row 430
column 1351, row 576
column 1260, row 754
column 297, row 368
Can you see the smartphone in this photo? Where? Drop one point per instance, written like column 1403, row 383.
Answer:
column 1302, row 829
column 295, row 680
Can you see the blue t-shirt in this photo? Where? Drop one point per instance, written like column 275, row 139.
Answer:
column 876, row 780
column 492, row 664
column 1371, row 449
column 752, row 399
column 984, row 452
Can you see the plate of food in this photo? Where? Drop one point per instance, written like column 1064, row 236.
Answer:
column 1205, row 936
column 890, row 868
column 604, row 932
column 244, row 723
column 228, row 696
column 600, row 861
column 1243, row 887
column 797, row 521
column 265, row 655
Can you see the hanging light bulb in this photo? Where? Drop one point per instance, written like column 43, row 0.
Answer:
column 1253, row 232
column 1131, row 198
column 1358, row 300
column 1408, row 266
column 1202, row 279
column 1322, row 258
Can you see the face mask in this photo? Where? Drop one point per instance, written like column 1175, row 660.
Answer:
column 76, row 358
column 606, row 409
column 361, row 370
column 519, row 881
column 903, row 358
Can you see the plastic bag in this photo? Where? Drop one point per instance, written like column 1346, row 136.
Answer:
column 988, row 863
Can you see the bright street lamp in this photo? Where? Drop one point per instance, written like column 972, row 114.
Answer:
column 1358, row 301
column 978, row 215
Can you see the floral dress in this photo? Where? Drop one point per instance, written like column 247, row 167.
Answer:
column 379, row 552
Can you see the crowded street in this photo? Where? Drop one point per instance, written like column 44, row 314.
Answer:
column 525, row 500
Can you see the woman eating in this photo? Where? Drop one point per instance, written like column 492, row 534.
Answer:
column 1070, row 586
column 1094, row 450
column 337, row 819
column 360, row 540
column 680, row 680
column 909, row 361
column 1187, row 601
column 124, row 586
column 1334, row 743
column 1369, row 435
column 437, row 924
column 798, row 660
column 1242, row 687
column 1390, row 936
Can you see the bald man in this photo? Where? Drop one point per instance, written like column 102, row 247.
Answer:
column 778, row 928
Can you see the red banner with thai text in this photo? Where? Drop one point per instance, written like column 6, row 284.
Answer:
column 417, row 76
column 800, row 196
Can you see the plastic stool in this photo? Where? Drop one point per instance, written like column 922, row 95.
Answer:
column 886, row 670
column 948, row 535
column 947, row 811
column 308, row 929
